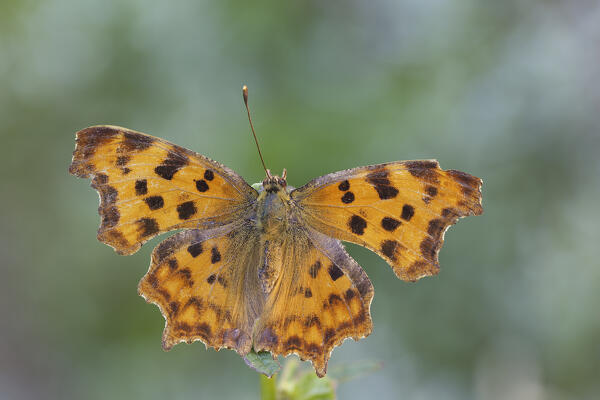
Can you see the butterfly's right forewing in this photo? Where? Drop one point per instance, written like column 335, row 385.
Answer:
column 148, row 186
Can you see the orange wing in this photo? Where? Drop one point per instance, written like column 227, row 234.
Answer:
column 322, row 297
column 400, row 210
column 205, row 283
column 148, row 186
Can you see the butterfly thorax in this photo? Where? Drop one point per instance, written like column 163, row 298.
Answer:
column 273, row 208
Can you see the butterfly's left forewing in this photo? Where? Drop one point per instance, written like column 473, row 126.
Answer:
column 399, row 210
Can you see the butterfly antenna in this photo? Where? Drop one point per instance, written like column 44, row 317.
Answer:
column 245, row 94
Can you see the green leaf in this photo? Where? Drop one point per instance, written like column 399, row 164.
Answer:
column 262, row 362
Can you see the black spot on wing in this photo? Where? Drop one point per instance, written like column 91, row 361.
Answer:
column 307, row 293
column 209, row 175
column 186, row 210
column 390, row 224
column 380, row 181
column 211, row 279
column 357, row 224
column 141, row 187
column 343, row 186
column 348, row 198
column 195, row 249
column 202, row 186
column 334, row 272
column 215, row 255
column 431, row 191
column 173, row 163
column 386, row 192
column 407, row 212
column 155, row 202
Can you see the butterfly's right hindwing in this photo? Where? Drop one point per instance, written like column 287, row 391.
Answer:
column 205, row 283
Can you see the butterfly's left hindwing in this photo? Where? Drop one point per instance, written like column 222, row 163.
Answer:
column 148, row 186
column 399, row 210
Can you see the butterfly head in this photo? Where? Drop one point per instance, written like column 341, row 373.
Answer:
column 274, row 183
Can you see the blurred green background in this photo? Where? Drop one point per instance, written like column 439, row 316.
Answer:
column 505, row 90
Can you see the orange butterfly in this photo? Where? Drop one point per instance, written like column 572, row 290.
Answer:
column 265, row 269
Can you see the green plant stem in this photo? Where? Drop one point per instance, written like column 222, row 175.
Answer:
column 267, row 388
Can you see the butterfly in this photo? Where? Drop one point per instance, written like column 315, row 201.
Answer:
column 263, row 267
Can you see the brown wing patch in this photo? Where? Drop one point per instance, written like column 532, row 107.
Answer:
column 317, row 304
column 206, row 287
column 148, row 186
column 399, row 210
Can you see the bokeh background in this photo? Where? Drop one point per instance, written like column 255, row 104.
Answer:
column 505, row 90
